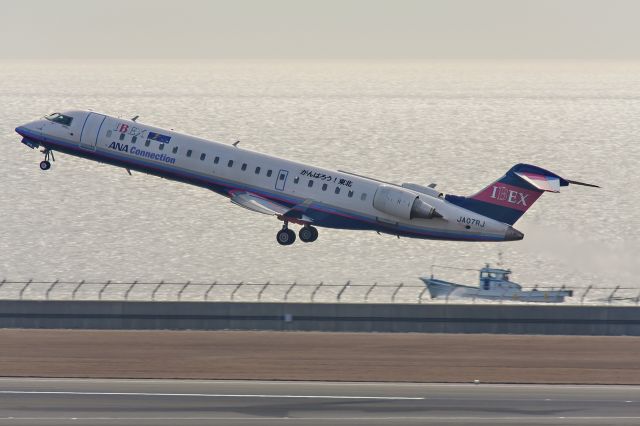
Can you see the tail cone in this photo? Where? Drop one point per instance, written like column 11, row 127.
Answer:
column 513, row 234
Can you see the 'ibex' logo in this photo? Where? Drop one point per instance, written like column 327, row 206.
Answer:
column 509, row 195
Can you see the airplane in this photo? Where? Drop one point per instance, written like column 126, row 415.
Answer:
column 295, row 193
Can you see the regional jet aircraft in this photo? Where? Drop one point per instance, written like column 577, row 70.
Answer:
column 295, row 193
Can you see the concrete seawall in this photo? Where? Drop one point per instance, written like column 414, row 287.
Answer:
column 503, row 319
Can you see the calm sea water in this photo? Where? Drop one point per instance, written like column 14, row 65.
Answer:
column 460, row 125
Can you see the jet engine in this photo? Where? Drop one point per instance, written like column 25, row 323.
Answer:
column 402, row 203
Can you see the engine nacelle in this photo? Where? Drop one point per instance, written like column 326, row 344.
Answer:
column 402, row 203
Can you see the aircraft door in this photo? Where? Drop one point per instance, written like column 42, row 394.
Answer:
column 90, row 130
column 281, row 179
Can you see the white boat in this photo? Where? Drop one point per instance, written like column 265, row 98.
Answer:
column 494, row 285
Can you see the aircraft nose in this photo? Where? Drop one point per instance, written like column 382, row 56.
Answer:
column 21, row 130
column 513, row 234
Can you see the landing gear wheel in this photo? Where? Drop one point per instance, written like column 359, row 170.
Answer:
column 286, row 237
column 308, row 234
column 46, row 165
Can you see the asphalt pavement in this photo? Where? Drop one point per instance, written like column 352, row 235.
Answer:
column 29, row 401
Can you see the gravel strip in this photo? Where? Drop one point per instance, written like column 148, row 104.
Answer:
column 263, row 355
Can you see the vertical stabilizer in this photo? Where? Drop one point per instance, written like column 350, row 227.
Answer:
column 508, row 198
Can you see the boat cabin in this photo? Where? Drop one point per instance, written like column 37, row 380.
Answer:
column 495, row 278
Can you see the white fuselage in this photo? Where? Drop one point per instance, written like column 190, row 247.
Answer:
column 329, row 198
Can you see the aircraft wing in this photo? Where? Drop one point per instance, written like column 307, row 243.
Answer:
column 262, row 205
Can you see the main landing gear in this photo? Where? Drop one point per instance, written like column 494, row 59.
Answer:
column 308, row 234
column 45, row 164
column 287, row 237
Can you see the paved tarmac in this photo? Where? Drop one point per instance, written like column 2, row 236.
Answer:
column 193, row 402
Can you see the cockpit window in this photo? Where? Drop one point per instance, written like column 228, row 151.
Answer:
column 56, row 117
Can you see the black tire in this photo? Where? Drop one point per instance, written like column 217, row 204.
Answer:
column 45, row 165
column 315, row 233
column 306, row 234
column 292, row 236
column 285, row 237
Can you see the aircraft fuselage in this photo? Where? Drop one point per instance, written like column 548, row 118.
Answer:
column 294, row 192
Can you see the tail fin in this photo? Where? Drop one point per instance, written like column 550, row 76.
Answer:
column 508, row 198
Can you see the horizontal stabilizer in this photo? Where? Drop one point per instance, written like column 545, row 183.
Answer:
column 540, row 181
column 575, row 182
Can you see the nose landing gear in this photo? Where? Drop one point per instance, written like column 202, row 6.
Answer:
column 45, row 164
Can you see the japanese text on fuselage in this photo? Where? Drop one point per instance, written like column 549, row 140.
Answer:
column 326, row 178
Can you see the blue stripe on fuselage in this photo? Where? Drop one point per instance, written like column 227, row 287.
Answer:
column 323, row 215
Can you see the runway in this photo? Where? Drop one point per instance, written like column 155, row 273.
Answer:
column 193, row 402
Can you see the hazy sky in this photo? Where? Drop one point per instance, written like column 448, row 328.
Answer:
column 322, row 29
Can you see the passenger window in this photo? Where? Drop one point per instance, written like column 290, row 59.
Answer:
column 350, row 194
column 189, row 153
column 337, row 191
column 230, row 163
column 269, row 172
column 147, row 142
column 257, row 170
column 216, row 160
column 122, row 135
column 310, row 184
column 175, row 149
column 324, row 186
column 109, row 133
column 203, row 156
column 363, row 196
column 161, row 147
column 296, row 179
column 244, row 167
column 134, row 139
